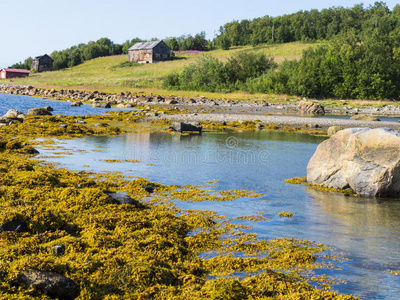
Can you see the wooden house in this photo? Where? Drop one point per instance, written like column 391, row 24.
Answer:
column 149, row 52
column 13, row 73
column 42, row 63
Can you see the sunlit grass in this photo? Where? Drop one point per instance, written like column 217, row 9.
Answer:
column 107, row 75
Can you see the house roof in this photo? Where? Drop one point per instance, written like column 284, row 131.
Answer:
column 145, row 45
column 15, row 70
column 41, row 56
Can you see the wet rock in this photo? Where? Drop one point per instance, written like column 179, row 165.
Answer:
column 52, row 284
column 364, row 118
column 365, row 160
column 192, row 126
column 48, row 108
column 310, row 108
column 76, row 104
column 14, row 225
column 333, row 129
column 58, row 250
column 171, row 101
column 149, row 189
column 105, row 105
column 39, row 112
column 80, row 122
column 121, row 198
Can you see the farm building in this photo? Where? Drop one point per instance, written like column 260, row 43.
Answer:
column 13, row 73
column 149, row 52
column 42, row 63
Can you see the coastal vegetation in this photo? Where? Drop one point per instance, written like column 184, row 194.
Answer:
column 144, row 248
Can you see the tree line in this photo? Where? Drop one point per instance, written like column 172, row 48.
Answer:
column 308, row 26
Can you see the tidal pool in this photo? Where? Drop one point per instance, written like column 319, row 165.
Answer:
column 364, row 231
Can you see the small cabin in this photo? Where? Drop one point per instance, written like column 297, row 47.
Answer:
column 13, row 73
column 149, row 52
column 43, row 63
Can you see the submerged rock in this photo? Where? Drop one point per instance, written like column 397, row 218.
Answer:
column 52, row 284
column 181, row 127
column 310, row 108
column 364, row 118
column 365, row 160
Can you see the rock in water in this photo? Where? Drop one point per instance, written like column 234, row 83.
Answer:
column 39, row 112
column 310, row 108
column 365, row 160
column 50, row 283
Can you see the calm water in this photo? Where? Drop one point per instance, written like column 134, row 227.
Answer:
column 24, row 103
column 366, row 231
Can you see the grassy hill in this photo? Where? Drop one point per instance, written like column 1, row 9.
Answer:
column 114, row 74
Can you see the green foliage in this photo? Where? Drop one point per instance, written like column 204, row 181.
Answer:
column 210, row 74
column 188, row 42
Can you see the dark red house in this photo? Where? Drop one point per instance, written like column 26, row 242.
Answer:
column 13, row 73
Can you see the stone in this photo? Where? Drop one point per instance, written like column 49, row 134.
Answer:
column 310, row 108
column 12, row 113
column 181, row 127
column 333, row 129
column 364, row 118
column 171, row 101
column 365, row 160
column 105, row 105
column 52, row 284
column 121, row 198
column 48, row 108
column 63, row 125
column 38, row 112
column 76, row 104
column 58, row 250
column 80, row 122
column 14, row 225
column 148, row 188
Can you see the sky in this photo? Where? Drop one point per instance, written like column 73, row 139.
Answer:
column 32, row 28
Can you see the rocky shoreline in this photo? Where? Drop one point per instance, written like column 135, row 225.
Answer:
column 202, row 109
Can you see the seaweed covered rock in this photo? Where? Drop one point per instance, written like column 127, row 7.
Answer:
column 14, row 225
column 50, row 283
column 310, row 108
column 365, row 160
column 41, row 111
column 364, row 118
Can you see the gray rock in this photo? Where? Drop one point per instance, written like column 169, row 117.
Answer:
column 52, row 284
column 58, row 250
column 121, row 198
column 80, row 122
column 364, row 118
column 76, row 104
column 12, row 113
column 333, row 129
column 310, row 108
column 63, row 125
column 365, row 160
column 105, row 105
column 181, row 127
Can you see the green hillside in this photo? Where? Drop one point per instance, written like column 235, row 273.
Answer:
column 114, row 74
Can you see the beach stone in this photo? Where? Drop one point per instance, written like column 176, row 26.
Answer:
column 76, row 104
column 365, row 160
column 364, row 118
column 121, row 198
column 310, row 108
column 58, row 249
column 52, row 284
column 12, row 113
column 39, row 112
column 333, row 129
column 105, row 105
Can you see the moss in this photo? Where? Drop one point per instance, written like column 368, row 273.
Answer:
column 303, row 180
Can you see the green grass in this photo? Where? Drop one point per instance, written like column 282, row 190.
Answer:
column 113, row 74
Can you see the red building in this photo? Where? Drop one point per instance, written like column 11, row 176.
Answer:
column 13, row 73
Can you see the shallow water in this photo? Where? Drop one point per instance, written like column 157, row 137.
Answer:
column 366, row 231
column 24, row 103
column 347, row 117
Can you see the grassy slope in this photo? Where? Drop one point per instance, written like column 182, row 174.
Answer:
column 103, row 74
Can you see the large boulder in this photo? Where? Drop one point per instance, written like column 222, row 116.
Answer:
column 50, row 283
column 364, row 118
column 310, row 108
column 365, row 160
column 191, row 126
column 12, row 113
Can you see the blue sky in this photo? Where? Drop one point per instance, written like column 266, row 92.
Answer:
column 32, row 28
